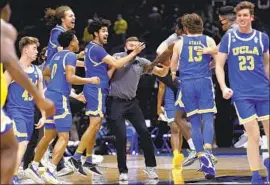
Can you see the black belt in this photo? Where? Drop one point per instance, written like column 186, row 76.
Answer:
column 121, row 99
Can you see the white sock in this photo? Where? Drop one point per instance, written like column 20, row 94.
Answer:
column 190, row 144
column 52, row 167
column 35, row 165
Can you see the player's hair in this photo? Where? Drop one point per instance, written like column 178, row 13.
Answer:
column 42, row 53
column 132, row 39
column 193, row 23
column 25, row 41
column 245, row 5
column 54, row 16
column 3, row 3
column 97, row 24
column 65, row 38
column 227, row 12
column 179, row 24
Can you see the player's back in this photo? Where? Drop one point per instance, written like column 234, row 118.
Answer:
column 57, row 66
column 246, row 65
column 94, row 66
column 192, row 63
column 18, row 97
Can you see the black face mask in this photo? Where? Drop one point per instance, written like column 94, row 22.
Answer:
column 129, row 51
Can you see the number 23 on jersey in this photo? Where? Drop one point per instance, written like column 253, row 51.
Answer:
column 246, row 63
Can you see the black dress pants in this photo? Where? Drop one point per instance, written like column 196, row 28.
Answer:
column 119, row 110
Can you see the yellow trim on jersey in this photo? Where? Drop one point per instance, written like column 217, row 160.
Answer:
column 66, row 111
column 179, row 100
column 49, row 121
column 192, row 112
column 17, row 133
column 264, row 118
column 99, row 109
column 202, row 111
column 246, row 120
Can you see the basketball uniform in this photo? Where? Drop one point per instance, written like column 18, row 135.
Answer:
column 196, row 85
column 246, row 73
column 58, row 90
column 95, row 94
column 20, row 106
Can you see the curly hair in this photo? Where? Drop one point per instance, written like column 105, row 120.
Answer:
column 97, row 24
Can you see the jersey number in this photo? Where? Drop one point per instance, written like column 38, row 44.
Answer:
column 197, row 57
column 26, row 96
column 246, row 63
column 54, row 68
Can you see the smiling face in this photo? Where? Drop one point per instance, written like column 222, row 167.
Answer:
column 69, row 19
column 102, row 35
column 244, row 18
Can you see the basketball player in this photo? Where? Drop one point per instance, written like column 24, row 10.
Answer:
column 196, row 87
column 9, row 58
column 61, row 72
column 64, row 18
column 97, row 61
column 178, row 124
column 20, row 104
column 247, row 53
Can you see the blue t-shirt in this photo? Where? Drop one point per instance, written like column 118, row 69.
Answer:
column 246, row 64
column 57, row 66
column 94, row 66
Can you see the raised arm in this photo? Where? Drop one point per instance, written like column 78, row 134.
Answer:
column 120, row 62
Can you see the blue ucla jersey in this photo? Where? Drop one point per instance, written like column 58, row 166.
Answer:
column 246, row 64
column 57, row 66
column 18, row 97
column 193, row 64
column 53, row 43
column 94, row 66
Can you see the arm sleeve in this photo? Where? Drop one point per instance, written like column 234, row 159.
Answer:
column 71, row 59
column 224, row 44
column 144, row 61
column 265, row 42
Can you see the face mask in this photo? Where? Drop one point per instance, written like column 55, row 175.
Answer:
column 129, row 51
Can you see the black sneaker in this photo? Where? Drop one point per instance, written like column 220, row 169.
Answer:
column 76, row 165
column 91, row 168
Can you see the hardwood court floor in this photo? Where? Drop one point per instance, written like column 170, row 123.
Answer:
column 230, row 169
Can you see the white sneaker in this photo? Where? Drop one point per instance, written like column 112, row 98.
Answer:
column 123, row 177
column 50, row 177
column 151, row 172
column 45, row 160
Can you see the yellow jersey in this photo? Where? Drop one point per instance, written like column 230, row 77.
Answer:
column 4, row 89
